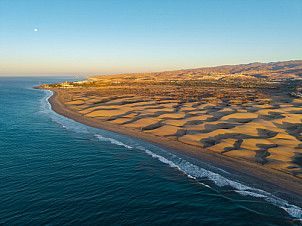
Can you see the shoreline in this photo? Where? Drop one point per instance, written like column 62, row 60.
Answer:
column 272, row 179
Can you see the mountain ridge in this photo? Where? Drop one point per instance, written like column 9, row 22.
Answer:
column 292, row 68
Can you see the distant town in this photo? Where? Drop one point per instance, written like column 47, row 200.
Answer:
column 283, row 75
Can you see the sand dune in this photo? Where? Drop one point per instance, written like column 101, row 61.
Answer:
column 266, row 131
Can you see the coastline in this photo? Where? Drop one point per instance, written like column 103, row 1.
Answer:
column 272, row 179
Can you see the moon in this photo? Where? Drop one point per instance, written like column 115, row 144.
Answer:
column 36, row 29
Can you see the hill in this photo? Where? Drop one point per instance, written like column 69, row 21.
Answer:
column 271, row 71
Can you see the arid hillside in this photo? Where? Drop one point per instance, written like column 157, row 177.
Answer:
column 273, row 70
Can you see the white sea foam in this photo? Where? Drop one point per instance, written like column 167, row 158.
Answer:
column 44, row 101
column 113, row 141
column 66, row 123
column 204, row 185
column 249, row 193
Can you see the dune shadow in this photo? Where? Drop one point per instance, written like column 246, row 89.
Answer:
column 265, row 133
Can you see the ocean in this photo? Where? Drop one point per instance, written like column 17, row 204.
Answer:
column 56, row 171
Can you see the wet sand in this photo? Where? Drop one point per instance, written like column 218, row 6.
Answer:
column 249, row 160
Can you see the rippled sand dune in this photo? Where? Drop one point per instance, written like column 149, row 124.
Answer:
column 265, row 131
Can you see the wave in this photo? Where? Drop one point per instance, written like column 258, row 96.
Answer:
column 45, row 106
column 63, row 121
column 189, row 169
column 113, row 141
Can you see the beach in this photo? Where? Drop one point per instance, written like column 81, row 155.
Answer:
column 274, row 174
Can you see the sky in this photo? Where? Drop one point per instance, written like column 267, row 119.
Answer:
column 95, row 37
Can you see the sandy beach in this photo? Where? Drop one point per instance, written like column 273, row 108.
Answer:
column 248, row 139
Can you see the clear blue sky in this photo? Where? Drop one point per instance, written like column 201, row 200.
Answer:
column 80, row 37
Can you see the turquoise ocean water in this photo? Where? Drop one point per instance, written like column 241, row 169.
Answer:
column 56, row 171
